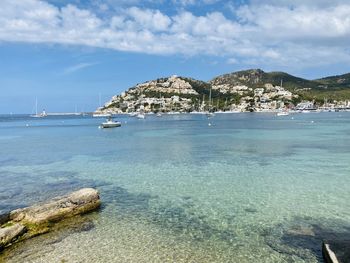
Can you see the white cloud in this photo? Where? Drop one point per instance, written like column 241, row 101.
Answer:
column 298, row 23
column 297, row 3
column 195, row 2
column 153, row 20
column 278, row 34
column 77, row 67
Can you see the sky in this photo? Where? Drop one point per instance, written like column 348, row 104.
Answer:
column 65, row 53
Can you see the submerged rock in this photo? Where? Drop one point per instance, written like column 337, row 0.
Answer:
column 78, row 202
column 10, row 233
column 31, row 221
column 336, row 251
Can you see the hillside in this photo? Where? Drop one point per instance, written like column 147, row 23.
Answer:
column 336, row 82
column 258, row 78
column 331, row 88
column 244, row 90
column 164, row 94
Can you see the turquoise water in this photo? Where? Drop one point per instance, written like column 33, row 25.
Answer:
column 248, row 188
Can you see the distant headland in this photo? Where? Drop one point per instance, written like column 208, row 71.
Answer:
column 247, row 90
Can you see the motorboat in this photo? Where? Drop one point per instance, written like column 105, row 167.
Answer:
column 110, row 123
column 282, row 113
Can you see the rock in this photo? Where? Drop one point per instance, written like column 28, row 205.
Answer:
column 10, row 233
column 24, row 223
column 336, row 251
column 78, row 202
column 4, row 218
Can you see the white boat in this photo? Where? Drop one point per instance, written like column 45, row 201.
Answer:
column 109, row 123
column 159, row 114
column 282, row 113
column 141, row 113
column 101, row 115
column 234, row 111
column 38, row 115
column 140, row 116
column 210, row 113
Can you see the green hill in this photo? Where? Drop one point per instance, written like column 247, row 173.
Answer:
column 336, row 82
column 258, row 78
column 331, row 88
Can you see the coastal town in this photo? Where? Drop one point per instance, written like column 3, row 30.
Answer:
column 184, row 95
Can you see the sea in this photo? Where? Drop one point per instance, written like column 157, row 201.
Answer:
column 244, row 187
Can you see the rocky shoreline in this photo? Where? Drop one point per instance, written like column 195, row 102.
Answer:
column 24, row 223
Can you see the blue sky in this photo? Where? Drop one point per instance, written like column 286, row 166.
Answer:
column 67, row 52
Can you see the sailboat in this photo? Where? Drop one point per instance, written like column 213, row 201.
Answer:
column 210, row 113
column 282, row 112
column 38, row 115
column 159, row 113
column 141, row 113
column 100, row 114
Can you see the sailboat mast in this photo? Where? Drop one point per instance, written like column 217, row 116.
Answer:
column 210, row 97
column 203, row 103
column 36, row 106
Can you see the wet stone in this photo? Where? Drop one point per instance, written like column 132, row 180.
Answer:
column 78, row 202
column 335, row 251
column 10, row 233
column 4, row 218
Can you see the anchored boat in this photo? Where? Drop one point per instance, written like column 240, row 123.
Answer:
column 110, row 123
column 282, row 113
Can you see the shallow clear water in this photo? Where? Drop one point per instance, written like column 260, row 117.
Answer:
column 248, row 188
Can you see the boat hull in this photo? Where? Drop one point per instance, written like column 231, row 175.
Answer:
column 110, row 125
column 102, row 115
